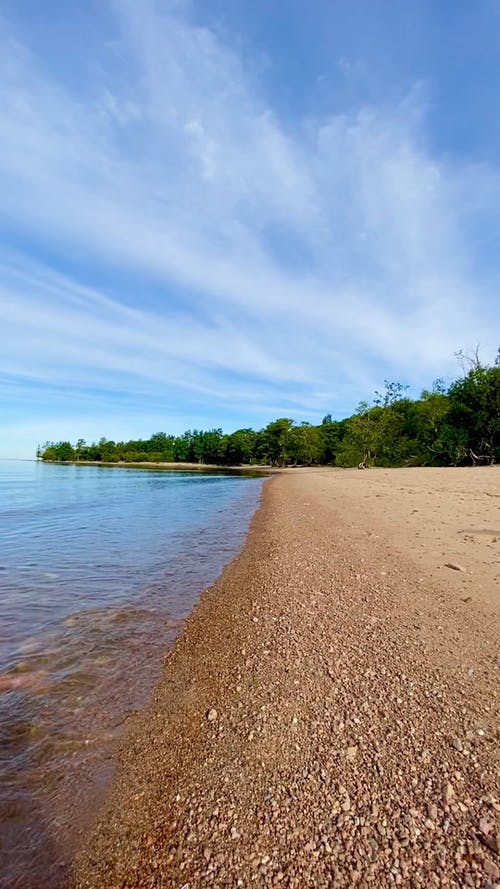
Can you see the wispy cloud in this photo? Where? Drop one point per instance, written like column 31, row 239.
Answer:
column 244, row 263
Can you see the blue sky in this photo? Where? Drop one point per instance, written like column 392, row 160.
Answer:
column 221, row 212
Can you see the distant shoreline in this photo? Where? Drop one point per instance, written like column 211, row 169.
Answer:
column 146, row 464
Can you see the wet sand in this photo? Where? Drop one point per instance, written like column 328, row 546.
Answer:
column 329, row 715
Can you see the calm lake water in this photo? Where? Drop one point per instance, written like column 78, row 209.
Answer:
column 99, row 568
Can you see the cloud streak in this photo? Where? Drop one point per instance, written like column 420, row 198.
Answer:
column 242, row 263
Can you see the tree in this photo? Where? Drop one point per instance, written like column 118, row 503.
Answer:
column 80, row 448
column 331, row 434
column 304, row 444
column 461, row 425
column 62, row 452
column 211, row 446
column 357, row 444
column 428, row 417
column 240, row 447
column 278, row 440
column 475, row 413
column 183, row 448
column 161, row 448
column 468, row 360
column 393, row 393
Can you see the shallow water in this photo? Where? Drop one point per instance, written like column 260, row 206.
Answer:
column 99, row 568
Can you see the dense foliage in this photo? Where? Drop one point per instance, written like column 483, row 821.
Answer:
column 458, row 425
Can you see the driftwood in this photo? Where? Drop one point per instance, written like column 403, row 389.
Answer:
column 481, row 459
column 363, row 464
column 433, row 450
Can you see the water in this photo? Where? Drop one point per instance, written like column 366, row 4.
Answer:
column 99, row 568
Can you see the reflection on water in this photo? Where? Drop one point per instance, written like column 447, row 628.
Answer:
column 100, row 568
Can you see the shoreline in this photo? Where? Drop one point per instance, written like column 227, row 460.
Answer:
column 69, row 680
column 145, row 464
column 318, row 723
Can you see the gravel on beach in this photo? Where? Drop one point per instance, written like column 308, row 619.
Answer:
column 329, row 715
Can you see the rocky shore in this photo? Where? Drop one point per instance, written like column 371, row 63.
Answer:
column 329, row 716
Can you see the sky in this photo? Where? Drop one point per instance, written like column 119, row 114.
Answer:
column 214, row 213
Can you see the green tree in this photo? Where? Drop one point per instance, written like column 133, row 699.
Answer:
column 475, row 414
column 429, row 414
column 304, row 446
column 183, row 448
column 277, row 437
column 240, row 447
column 393, row 393
column 331, row 434
column 212, row 446
column 61, row 452
column 161, row 448
column 80, row 449
column 461, row 425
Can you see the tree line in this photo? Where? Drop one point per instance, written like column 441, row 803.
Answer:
column 446, row 426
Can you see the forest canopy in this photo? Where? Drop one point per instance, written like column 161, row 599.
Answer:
column 452, row 426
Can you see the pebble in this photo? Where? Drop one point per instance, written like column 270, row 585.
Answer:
column 448, row 793
column 485, row 827
column 338, row 657
column 432, row 811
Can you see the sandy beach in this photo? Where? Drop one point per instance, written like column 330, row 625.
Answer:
column 329, row 715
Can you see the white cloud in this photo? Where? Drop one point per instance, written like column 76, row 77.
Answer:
column 285, row 268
